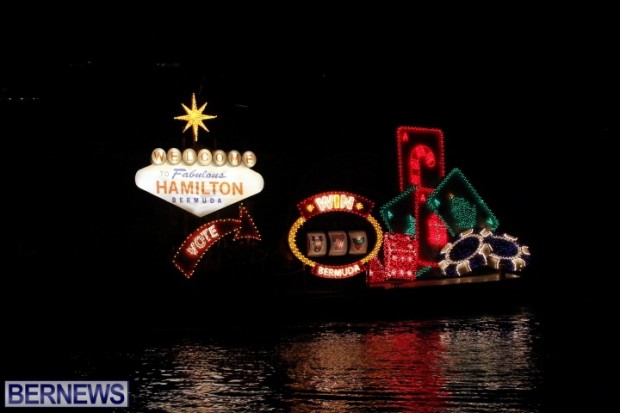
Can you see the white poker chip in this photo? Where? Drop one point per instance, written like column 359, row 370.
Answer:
column 464, row 255
column 506, row 252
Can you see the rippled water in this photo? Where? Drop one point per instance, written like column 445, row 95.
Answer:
column 472, row 363
column 514, row 360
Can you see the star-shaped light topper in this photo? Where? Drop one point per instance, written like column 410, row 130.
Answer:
column 195, row 117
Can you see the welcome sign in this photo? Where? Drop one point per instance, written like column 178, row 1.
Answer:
column 200, row 182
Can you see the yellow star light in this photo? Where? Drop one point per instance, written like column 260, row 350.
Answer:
column 195, row 117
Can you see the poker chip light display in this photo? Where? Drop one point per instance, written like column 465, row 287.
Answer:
column 464, row 255
column 507, row 253
column 476, row 248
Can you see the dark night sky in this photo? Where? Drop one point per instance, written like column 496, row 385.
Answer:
column 530, row 123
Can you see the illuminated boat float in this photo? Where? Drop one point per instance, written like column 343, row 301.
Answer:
column 436, row 232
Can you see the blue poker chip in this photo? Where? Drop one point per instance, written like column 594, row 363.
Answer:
column 506, row 253
column 464, row 255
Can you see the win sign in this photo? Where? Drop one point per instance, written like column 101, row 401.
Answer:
column 66, row 394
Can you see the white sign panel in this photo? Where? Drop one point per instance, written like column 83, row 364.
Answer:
column 198, row 189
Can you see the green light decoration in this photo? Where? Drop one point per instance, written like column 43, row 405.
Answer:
column 396, row 214
column 410, row 229
column 463, row 211
column 423, row 271
column 459, row 206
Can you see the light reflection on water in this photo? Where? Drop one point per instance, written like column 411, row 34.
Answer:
column 476, row 363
